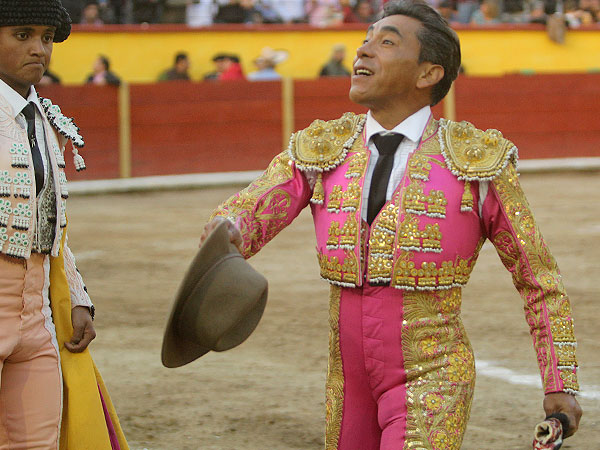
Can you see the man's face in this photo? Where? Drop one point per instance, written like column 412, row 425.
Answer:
column 386, row 66
column 25, row 55
column 182, row 65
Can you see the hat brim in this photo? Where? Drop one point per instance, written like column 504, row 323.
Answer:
column 176, row 349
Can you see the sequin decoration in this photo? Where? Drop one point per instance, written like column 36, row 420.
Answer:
column 3, row 237
column 357, row 164
column 324, row 145
column 5, row 212
column 440, row 370
column 351, row 197
column 260, row 210
column 338, row 272
column 473, row 154
column 419, row 167
column 430, row 275
column 5, row 183
column 334, row 386
column 22, row 216
column 22, row 185
column 19, row 154
column 537, row 278
column 334, row 203
column 18, row 245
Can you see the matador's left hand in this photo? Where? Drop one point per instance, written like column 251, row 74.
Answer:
column 564, row 403
column 83, row 329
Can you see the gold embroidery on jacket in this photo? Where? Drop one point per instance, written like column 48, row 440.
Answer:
column 333, row 241
column 419, row 167
column 349, row 233
column 335, row 199
column 440, row 370
column 356, row 164
column 267, row 204
column 430, row 276
column 537, row 278
column 381, row 242
column 334, row 387
column 352, row 197
column 341, row 272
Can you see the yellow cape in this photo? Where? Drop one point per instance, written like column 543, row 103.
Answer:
column 83, row 424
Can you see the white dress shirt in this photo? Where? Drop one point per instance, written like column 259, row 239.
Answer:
column 412, row 128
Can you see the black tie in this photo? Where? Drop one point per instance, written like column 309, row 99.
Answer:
column 38, row 165
column 386, row 145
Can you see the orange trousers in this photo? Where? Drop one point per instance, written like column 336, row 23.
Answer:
column 30, row 377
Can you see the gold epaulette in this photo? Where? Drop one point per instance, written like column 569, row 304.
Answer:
column 324, row 144
column 472, row 154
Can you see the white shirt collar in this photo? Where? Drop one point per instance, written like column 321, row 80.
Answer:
column 412, row 127
column 15, row 101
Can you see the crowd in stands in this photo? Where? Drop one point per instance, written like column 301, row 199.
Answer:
column 321, row 13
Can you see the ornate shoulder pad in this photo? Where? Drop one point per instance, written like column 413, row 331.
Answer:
column 473, row 154
column 63, row 124
column 324, row 145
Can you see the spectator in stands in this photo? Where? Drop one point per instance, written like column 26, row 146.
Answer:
column 323, row 13
column 199, row 13
column 447, row 10
column 147, row 11
column 179, row 70
column 74, row 8
column 362, row 12
column 91, row 14
column 335, row 67
column 465, row 9
column 592, row 7
column 219, row 60
column 101, row 74
column 238, row 11
column 538, row 13
column 487, row 14
column 174, row 11
column 265, row 63
column 267, row 11
column 228, row 68
column 291, row 11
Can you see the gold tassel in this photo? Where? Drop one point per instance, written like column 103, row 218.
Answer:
column 466, row 204
column 318, row 196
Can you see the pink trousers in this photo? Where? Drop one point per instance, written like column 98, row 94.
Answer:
column 30, row 377
column 374, row 411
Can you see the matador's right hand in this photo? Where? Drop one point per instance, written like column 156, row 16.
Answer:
column 234, row 234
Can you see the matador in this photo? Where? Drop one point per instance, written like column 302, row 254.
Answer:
column 401, row 369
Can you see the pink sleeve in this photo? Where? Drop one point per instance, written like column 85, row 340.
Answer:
column 268, row 204
column 510, row 225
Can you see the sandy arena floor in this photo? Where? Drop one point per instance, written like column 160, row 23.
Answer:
column 268, row 393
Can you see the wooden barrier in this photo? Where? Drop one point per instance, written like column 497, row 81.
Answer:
column 546, row 116
column 182, row 127
column 96, row 112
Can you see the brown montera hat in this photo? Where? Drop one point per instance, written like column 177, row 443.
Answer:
column 219, row 304
column 36, row 12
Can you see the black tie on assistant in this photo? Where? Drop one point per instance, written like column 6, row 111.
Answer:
column 386, row 145
column 38, row 165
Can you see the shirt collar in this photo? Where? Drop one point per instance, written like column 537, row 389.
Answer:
column 412, row 127
column 15, row 101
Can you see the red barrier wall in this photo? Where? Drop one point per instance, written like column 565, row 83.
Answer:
column 546, row 116
column 204, row 127
column 96, row 112
column 212, row 127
